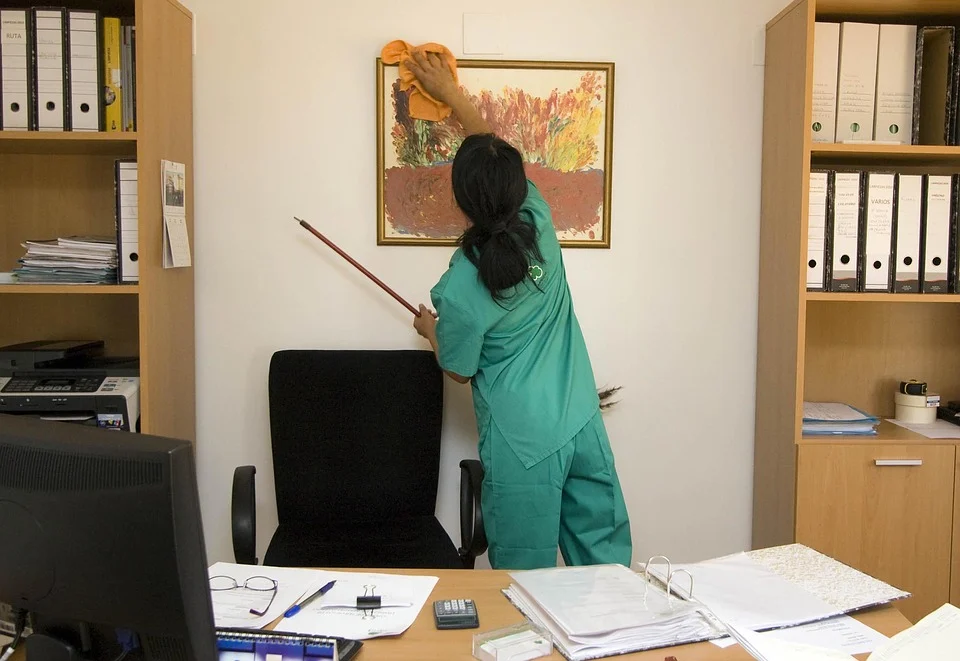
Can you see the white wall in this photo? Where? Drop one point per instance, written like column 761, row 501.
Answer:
column 284, row 123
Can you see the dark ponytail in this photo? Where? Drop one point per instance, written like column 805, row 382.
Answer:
column 490, row 185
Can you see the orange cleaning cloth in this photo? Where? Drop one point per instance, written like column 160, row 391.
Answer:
column 422, row 105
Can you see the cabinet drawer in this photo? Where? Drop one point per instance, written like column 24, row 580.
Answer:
column 886, row 510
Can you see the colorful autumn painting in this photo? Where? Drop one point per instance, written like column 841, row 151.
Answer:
column 559, row 115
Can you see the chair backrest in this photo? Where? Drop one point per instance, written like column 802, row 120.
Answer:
column 355, row 434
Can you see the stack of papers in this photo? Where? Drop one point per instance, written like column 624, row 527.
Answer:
column 605, row 610
column 821, row 418
column 933, row 637
column 334, row 614
column 71, row 260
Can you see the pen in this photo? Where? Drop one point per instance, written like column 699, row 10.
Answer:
column 296, row 608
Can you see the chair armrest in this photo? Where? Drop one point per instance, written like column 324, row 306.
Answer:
column 243, row 513
column 473, row 537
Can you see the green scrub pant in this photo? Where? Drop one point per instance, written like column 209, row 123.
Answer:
column 572, row 499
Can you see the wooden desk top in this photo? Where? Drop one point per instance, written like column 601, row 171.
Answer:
column 423, row 641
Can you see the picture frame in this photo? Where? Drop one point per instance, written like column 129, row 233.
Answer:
column 559, row 114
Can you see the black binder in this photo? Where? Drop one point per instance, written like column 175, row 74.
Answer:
column 933, row 98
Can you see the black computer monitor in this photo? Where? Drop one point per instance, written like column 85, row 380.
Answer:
column 100, row 535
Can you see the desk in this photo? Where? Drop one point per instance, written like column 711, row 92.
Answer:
column 424, row 641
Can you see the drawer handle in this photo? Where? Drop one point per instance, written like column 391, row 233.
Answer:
column 898, row 462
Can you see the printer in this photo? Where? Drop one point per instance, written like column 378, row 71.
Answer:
column 70, row 381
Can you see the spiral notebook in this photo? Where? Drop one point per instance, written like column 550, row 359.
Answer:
column 594, row 612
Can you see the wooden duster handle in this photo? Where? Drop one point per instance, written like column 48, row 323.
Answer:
column 360, row 268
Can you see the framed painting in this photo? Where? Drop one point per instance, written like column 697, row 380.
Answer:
column 558, row 114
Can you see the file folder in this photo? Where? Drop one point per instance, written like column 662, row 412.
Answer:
column 938, row 191
column 857, row 81
column 128, row 243
column 896, row 68
column 909, row 216
column 50, row 65
column 16, row 70
column 112, row 73
column 933, row 102
column 877, row 235
column 85, row 72
column 846, row 231
column 826, row 61
column 817, row 218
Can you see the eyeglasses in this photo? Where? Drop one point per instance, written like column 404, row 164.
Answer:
column 254, row 583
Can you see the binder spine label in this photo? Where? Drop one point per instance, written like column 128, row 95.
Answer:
column 878, row 233
column 909, row 209
column 936, row 233
column 846, row 228
column 16, row 70
column 816, row 231
column 50, row 70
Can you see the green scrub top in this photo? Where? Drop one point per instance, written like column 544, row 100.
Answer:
column 531, row 374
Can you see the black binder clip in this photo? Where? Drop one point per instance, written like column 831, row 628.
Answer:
column 368, row 602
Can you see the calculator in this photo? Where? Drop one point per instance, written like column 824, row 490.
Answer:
column 456, row 614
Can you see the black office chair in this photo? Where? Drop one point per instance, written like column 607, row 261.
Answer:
column 356, row 460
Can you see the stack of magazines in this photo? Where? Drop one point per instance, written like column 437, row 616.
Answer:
column 83, row 260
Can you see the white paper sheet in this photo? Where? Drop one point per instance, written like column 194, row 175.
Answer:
column 843, row 634
column 937, row 636
column 231, row 608
column 362, row 624
column 938, row 429
column 740, row 590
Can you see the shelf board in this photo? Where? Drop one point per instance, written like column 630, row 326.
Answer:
column 68, row 142
column 887, row 432
column 98, row 290
column 865, row 297
column 899, row 153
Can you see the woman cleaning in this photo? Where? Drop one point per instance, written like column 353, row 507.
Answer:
column 505, row 323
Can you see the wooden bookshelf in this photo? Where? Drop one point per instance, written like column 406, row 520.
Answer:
column 57, row 184
column 846, row 347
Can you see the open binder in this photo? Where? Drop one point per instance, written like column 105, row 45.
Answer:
column 607, row 610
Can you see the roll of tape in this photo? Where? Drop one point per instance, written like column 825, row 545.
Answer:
column 930, row 400
column 916, row 414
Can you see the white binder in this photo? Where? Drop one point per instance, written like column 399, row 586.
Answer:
column 15, row 69
column 85, row 88
column 896, row 69
column 936, row 233
column 128, row 243
column 846, row 231
column 909, row 217
column 877, row 232
column 817, row 230
column 826, row 61
column 50, row 68
column 857, row 81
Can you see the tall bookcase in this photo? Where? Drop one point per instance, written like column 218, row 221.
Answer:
column 900, row 523
column 58, row 184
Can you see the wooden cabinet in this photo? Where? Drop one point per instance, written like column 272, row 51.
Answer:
column 885, row 509
column 895, row 522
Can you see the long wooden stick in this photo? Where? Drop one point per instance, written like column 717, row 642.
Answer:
column 359, row 267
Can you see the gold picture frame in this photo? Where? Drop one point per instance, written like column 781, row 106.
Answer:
column 566, row 138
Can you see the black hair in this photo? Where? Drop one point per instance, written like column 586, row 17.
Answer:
column 490, row 184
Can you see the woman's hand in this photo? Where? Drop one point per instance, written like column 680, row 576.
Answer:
column 434, row 75
column 426, row 323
